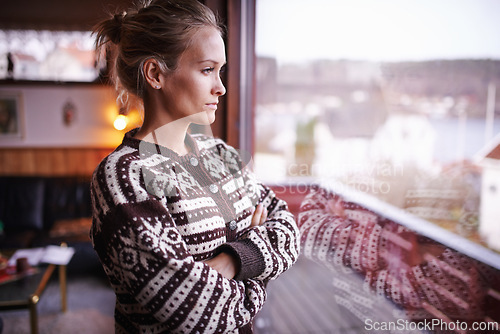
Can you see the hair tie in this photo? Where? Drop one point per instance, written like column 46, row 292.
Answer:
column 117, row 32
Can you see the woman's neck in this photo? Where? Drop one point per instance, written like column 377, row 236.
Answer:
column 165, row 132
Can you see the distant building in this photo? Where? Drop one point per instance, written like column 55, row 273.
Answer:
column 69, row 64
column 266, row 77
column 489, row 226
column 25, row 66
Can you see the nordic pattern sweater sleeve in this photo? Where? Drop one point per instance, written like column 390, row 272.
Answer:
column 277, row 241
column 379, row 249
column 156, row 217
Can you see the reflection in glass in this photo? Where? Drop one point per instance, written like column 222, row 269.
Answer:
column 47, row 55
column 399, row 101
column 383, row 103
column 423, row 278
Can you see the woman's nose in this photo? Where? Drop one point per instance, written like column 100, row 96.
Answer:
column 219, row 88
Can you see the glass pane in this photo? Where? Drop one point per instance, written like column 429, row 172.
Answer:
column 392, row 108
column 47, row 55
column 383, row 97
column 351, row 83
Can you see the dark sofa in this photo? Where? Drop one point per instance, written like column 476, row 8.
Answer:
column 36, row 211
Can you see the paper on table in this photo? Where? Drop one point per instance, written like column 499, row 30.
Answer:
column 33, row 255
column 50, row 254
column 57, row 255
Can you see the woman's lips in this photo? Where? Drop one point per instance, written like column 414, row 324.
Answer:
column 212, row 105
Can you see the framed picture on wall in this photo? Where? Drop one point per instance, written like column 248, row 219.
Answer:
column 11, row 115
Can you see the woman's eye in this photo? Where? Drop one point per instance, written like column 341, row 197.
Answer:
column 208, row 70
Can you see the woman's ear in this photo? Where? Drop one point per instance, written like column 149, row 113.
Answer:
column 152, row 73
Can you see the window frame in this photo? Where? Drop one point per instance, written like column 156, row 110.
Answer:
column 235, row 120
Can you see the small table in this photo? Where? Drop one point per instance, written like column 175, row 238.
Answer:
column 25, row 292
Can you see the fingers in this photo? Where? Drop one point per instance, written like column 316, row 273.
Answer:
column 336, row 207
column 259, row 215
column 263, row 217
column 225, row 264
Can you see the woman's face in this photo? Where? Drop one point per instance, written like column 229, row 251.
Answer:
column 194, row 88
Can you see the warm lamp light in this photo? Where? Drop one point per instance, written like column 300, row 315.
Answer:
column 120, row 122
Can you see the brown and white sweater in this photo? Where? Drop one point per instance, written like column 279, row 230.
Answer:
column 447, row 286
column 157, row 216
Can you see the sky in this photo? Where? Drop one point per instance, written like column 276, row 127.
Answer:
column 378, row 30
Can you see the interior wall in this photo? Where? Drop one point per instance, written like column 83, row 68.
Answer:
column 50, row 161
column 41, row 112
column 57, row 14
column 50, row 147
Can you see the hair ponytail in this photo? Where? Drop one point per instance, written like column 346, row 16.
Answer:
column 109, row 30
column 116, row 31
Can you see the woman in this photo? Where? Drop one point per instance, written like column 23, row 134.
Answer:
column 187, row 237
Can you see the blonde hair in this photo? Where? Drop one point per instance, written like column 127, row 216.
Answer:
column 154, row 29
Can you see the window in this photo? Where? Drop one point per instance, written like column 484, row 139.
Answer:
column 388, row 105
column 370, row 92
column 47, row 55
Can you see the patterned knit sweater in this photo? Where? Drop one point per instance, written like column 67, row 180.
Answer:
column 157, row 216
column 448, row 286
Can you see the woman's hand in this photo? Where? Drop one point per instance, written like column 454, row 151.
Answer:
column 259, row 215
column 336, row 207
column 225, row 264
